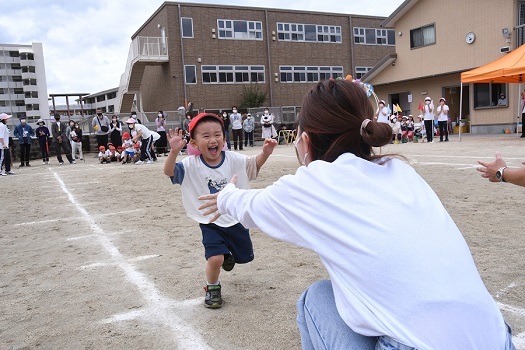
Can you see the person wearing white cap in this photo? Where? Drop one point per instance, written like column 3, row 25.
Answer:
column 5, row 153
column 442, row 112
column 248, row 125
column 382, row 113
column 428, row 116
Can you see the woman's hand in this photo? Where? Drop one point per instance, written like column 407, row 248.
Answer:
column 489, row 170
column 211, row 203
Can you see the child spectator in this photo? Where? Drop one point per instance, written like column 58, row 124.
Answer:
column 112, row 153
column 226, row 241
column 129, row 150
column 410, row 128
column 119, row 153
column 76, row 141
column 136, row 147
column 396, row 129
column 103, row 155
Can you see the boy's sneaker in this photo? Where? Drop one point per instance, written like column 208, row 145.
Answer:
column 229, row 262
column 213, row 298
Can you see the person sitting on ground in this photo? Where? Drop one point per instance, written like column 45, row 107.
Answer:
column 410, row 128
column 119, row 153
column 497, row 171
column 396, row 129
column 103, row 155
column 137, row 147
column 392, row 285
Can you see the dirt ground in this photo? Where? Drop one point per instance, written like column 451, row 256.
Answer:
column 102, row 256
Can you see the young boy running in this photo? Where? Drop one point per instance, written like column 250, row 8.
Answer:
column 225, row 241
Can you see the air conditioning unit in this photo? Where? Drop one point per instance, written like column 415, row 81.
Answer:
column 504, row 49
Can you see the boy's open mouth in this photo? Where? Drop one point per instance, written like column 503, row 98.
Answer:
column 213, row 150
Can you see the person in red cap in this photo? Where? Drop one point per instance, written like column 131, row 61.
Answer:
column 225, row 241
column 129, row 150
column 5, row 153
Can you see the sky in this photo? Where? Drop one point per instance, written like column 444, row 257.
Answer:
column 86, row 42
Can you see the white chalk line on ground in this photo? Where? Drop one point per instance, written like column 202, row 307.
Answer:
column 74, row 218
column 95, row 265
column 157, row 307
column 91, row 236
column 504, row 290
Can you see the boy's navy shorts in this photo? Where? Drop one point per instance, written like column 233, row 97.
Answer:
column 234, row 240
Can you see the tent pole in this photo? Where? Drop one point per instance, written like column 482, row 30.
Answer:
column 460, row 109
column 519, row 111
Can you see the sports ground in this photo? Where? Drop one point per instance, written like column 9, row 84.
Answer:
column 102, row 256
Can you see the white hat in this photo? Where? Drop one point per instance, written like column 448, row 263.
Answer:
column 131, row 121
column 40, row 121
column 428, row 98
column 442, row 98
column 382, row 101
column 4, row 116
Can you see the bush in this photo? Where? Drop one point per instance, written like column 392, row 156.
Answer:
column 252, row 96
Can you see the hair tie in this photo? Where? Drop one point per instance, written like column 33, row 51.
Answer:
column 363, row 125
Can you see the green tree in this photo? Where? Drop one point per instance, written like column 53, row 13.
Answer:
column 252, row 96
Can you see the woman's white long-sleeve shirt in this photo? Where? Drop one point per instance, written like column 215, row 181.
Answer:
column 414, row 281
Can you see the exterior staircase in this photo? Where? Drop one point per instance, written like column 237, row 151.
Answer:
column 143, row 51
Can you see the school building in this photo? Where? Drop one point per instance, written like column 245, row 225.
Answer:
column 213, row 54
column 438, row 40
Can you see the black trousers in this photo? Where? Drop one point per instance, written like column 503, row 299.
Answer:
column 237, row 136
column 25, row 150
column 5, row 159
column 145, row 149
column 44, row 150
column 429, row 127
column 64, row 145
column 248, row 138
column 102, row 140
column 443, row 130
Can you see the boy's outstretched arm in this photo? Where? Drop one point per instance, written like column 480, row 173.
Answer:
column 177, row 142
column 268, row 147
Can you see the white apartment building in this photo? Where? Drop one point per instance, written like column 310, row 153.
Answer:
column 23, row 86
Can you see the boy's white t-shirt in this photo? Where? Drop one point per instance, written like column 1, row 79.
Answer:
column 418, row 285
column 128, row 145
column 198, row 178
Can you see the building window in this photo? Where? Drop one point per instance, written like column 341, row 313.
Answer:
column 232, row 74
column 187, row 27
column 423, row 36
column 27, row 81
column 360, row 71
column 190, row 74
column 308, row 32
column 31, row 94
column 28, row 69
column 27, row 56
column 486, row 95
column 101, row 98
column 244, row 30
column 374, row 36
column 308, row 74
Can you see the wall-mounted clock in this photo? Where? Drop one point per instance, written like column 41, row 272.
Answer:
column 470, row 37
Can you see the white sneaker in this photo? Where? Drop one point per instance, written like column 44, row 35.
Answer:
column 3, row 173
column 11, row 172
column 149, row 161
column 139, row 162
column 73, row 162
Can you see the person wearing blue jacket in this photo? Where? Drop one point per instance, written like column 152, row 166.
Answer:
column 24, row 132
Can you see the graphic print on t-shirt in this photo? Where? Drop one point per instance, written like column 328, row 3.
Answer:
column 216, row 185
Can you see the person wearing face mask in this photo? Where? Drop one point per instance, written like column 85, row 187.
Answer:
column 226, row 122
column 101, row 125
column 382, row 113
column 236, row 123
column 147, row 138
column 24, row 132
column 42, row 132
column 162, row 143
column 428, row 116
column 248, row 127
column 389, row 288
column 58, row 130
column 268, row 130
column 115, row 130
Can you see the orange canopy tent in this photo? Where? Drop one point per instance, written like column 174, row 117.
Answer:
column 507, row 69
